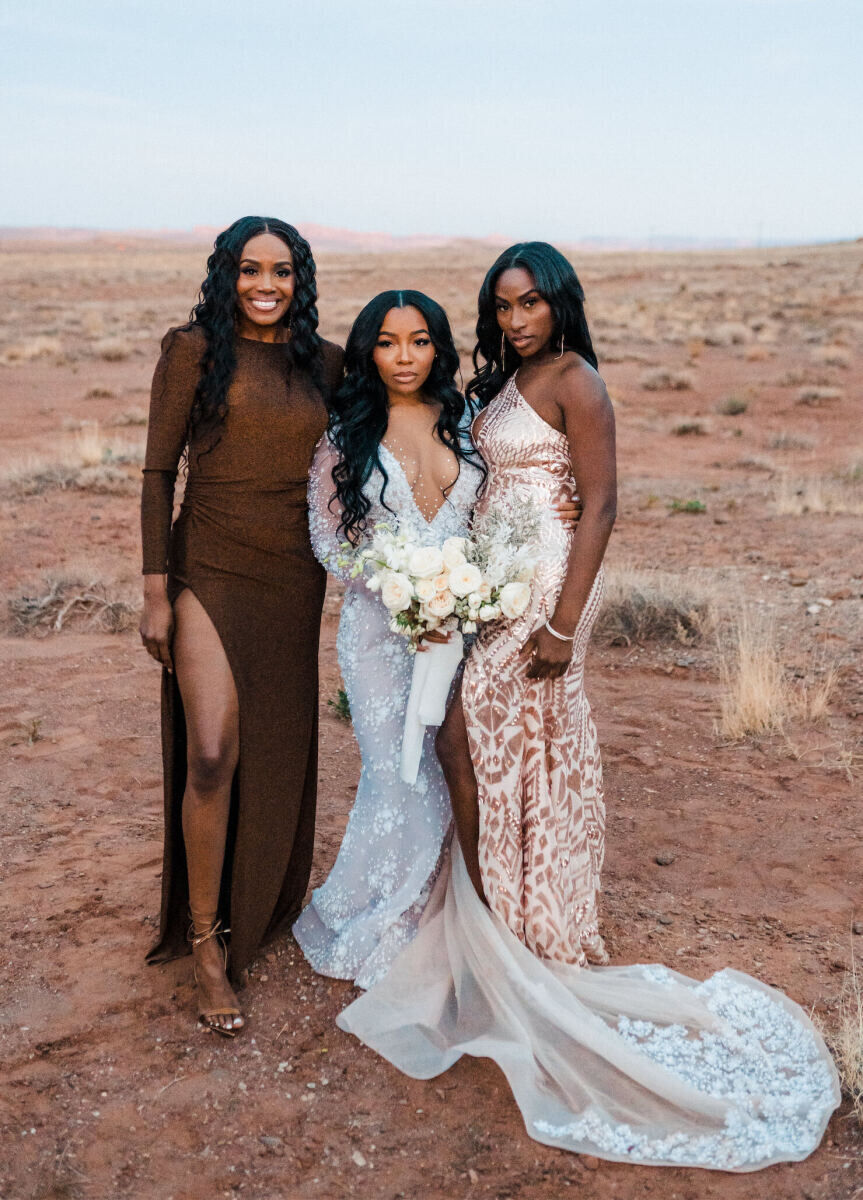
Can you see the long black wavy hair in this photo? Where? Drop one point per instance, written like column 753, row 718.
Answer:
column 359, row 413
column 215, row 314
column 557, row 282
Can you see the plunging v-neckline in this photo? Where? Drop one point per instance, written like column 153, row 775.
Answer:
column 444, row 497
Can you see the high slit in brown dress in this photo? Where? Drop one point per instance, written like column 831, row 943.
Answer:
column 241, row 543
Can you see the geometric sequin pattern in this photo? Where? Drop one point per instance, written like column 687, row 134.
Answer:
column 533, row 742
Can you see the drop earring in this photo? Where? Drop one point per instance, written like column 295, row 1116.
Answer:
column 503, row 351
column 561, row 347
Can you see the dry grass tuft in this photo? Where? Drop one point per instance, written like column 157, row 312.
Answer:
column 730, row 333
column 815, row 396
column 790, row 441
column 845, row 1039
column 819, row 494
column 690, row 427
column 759, row 697
column 131, row 416
column 72, row 600
column 113, row 349
column 100, row 393
column 756, row 697
column 831, row 356
column 37, row 347
column 89, row 462
column 661, row 379
column 657, row 606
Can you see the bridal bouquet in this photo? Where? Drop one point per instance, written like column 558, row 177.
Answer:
column 452, row 588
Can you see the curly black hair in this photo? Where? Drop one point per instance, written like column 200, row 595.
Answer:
column 359, row 413
column 215, row 314
column 557, row 282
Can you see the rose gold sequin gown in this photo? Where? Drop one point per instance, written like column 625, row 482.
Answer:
column 533, row 741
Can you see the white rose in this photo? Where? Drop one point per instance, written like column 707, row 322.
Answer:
column 396, row 592
column 465, row 579
column 425, row 589
column 441, row 582
column 489, row 612
column 441, row 605
column 374, row 584
column 453, row 551
column 484, row 590
column 514, row 599
column 426, row 562
column 475, row 599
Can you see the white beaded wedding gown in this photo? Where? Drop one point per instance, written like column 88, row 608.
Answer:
column 631, row 1063
column 370, row 905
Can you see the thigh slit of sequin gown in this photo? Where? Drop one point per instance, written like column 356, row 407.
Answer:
column 241, row 545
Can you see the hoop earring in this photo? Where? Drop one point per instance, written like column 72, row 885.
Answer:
column 561, row 347
column 503, row 351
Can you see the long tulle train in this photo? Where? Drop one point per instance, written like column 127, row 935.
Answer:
column 635, row 1064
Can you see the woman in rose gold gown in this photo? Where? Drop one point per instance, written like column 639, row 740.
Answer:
column 633, row 1063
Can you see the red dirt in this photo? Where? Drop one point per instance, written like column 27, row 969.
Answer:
column 109, row 1090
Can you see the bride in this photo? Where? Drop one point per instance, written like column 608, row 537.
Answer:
column 398, row 449
column 631, row 1063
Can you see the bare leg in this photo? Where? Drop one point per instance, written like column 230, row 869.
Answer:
column 453, row 751
column 213, row 737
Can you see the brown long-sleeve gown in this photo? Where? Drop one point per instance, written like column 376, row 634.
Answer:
column 241, row 543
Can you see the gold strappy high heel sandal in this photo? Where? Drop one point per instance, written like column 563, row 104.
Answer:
column 197, row 939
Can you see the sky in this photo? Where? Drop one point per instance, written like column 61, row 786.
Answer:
column 560, row 119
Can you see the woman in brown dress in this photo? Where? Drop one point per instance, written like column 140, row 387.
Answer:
column 232, row 602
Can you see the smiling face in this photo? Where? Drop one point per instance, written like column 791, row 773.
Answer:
column 526, row 318
column 404, row 352
column 265, row 287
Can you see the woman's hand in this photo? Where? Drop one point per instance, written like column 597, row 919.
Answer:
column 548, row 656
column 157, row 621
column 568, row 510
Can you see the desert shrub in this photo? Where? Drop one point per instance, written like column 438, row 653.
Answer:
column 831, row 356
column 686, row 506
column 341, row 706
column 100, row 393
column 790, row 441
column 690, row 426
column 37, row 347
column 814, row 396
column 656, row 606
column 730, row 333
column 660, row 379
column 131, row 416
column 818, row 494
column 89, row 462
column 112, row 349
column 732, row 406
column 65, row 600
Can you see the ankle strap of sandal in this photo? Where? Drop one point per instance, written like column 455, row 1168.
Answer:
column 197, row 938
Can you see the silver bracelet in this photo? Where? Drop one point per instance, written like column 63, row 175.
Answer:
column 561, row 637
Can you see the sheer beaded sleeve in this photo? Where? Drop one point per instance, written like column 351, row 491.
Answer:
column 171, row 397
column 324, row 509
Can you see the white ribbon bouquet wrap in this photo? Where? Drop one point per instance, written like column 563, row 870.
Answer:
column 451, row 589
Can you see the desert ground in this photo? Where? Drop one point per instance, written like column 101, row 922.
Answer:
column 725, row 678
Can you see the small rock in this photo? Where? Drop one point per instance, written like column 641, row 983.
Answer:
column 270, row 1142
column 843, row 593
column 798, row 578
column 663, row 920
column 358, row 1159
column 824, row 601
column 590, row 1163
column 472, row 1175
column 857, row 927
column 664, row 859
column 813, row 609
column 717, row 520
column 684, row 662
